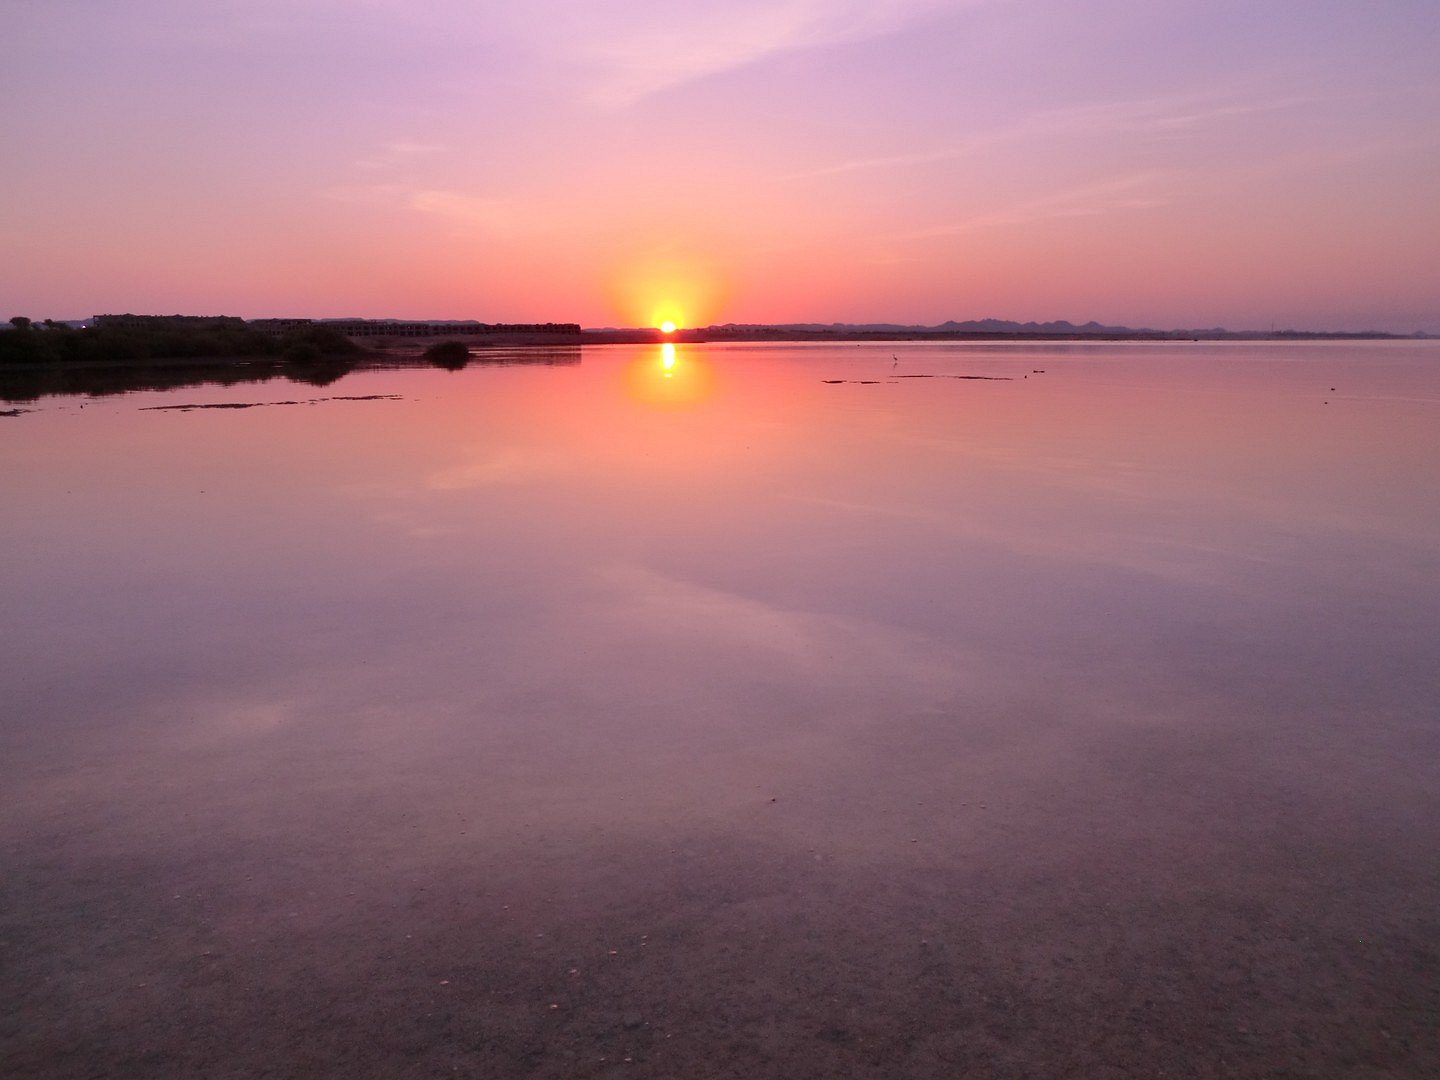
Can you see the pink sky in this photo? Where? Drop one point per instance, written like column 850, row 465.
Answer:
column 1159, row 164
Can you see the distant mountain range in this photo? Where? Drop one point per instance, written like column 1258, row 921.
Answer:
column 969, row 326
column 1060, row 328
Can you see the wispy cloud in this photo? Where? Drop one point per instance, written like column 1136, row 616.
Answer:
column 399, row 152
column 365, row 194
column 622, row 51
column 1161, row 114
column 898, row 161
column 1157, row 116
column 636, row 48
column 474, row 211
column 1135, row 192
column 490, row 214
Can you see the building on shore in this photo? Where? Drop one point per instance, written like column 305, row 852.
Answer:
column 465, row 328
column 362, row 328
column 279, row 327
column 167, row 322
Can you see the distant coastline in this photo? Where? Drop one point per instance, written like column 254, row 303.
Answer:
column 1021, row 332
column 318, row 351
column 129, row 337
column 120, row 354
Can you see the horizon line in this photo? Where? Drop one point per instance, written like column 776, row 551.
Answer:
column 813, row 325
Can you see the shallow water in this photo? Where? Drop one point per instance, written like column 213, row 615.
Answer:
column 780, row 710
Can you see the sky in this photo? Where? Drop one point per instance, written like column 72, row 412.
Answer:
column 1162, row 163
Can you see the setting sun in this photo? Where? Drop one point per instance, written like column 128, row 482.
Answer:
column 655, row 288
column 667, row 327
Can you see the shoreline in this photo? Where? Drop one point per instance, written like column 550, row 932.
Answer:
column 710, row 334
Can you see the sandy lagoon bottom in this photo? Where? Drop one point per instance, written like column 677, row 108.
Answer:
column 701, row 715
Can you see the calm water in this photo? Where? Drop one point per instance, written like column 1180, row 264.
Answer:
column 702, row 715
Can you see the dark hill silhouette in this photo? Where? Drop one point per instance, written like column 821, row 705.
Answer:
column 1060, row 328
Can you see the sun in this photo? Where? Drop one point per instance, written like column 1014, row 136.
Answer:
column 667, row 327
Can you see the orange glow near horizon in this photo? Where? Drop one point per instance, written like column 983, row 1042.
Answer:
column 657, row 291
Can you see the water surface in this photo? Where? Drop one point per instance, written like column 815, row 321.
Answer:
column 800, row 710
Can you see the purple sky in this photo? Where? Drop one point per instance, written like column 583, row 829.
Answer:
column 1157, row 163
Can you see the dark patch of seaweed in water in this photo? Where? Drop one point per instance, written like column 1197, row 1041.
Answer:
column 263, row 404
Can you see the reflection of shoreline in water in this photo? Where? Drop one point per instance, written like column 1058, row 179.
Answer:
column 104, row 380
column 405, row 356
column 548, row 355
column 24, row 383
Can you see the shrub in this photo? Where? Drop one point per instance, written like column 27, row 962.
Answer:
column 450, row 355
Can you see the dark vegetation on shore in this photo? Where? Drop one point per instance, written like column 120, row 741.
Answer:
column 38, row 360
column 450, row 355
column 59, row 343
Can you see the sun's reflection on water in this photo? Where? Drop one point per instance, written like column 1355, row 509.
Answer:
column 669, row 377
